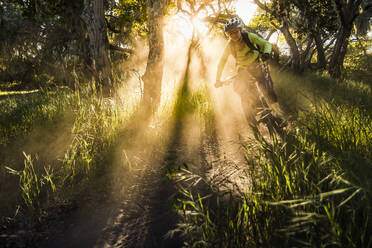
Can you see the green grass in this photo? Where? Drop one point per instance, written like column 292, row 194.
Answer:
column 310, row 190
column 21, row 112
column 93, row 126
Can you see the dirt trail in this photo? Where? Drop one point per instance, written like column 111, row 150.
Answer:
column 145, row 214
column 226, row 159
column 138, row 213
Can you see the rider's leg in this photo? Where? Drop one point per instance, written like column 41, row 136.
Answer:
column 247, row 91
column 257, row 72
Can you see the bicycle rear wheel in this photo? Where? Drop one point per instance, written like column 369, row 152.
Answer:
column 268, row 123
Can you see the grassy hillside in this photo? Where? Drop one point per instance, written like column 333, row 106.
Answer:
column 53, row 143
column 311, row 189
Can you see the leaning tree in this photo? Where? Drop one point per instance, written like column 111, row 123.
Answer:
column 350, row 12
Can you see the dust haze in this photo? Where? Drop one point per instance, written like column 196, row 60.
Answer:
column 145, row 147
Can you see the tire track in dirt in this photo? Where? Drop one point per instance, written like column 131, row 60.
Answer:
column 224, row 153
column 145, row 215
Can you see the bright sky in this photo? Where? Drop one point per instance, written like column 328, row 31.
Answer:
column 245, row 9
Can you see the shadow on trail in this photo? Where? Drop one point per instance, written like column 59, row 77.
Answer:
column 145, row 215
column 164, row 219
column 141, row 214
column 138, row 209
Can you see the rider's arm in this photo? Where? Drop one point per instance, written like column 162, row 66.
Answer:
column 223, row 60
column 264, row 45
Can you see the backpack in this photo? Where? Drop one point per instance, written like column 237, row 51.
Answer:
column 247, row 42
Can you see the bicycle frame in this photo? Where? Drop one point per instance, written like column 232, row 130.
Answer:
column 265, row 115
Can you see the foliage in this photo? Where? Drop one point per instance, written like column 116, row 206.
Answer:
column 51, row 39
column 315, row 181
column 363, row 22
column 20, row 113
column 97, row 124
column 94, row 129
column 261, row 22
column 11, row 21
column 358, row 60
column 35, row 186
column 129, row 17
column 315, row 17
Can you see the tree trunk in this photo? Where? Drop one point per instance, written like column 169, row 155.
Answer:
column 154, row 70
column 308, row 55
column 347, row 11
column 322, row 62
column 295, row 54
column 94, row 19
column 339, row 52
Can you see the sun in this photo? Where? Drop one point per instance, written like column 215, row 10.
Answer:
column 185, row 25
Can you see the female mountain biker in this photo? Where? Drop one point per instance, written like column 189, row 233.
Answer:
column 247, row 47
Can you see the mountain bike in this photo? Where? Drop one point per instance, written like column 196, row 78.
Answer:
column 264, row 117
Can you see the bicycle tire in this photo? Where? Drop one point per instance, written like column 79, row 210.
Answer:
column 269, row 121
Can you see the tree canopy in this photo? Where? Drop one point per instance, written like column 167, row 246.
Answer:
column 40, row 39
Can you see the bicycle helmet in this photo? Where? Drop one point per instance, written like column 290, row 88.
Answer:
column 233, row 23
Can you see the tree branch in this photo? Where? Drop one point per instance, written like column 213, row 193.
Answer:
column 356, row 10
column 185, row 11
column 340, row 11
column 272, row 31
column 217, row 19
column 330, row 44
column 263, row 6
column 275, row 26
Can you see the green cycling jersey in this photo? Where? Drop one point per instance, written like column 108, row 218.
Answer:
column 244, row 56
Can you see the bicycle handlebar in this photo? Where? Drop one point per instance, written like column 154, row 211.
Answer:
column 261, row 62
